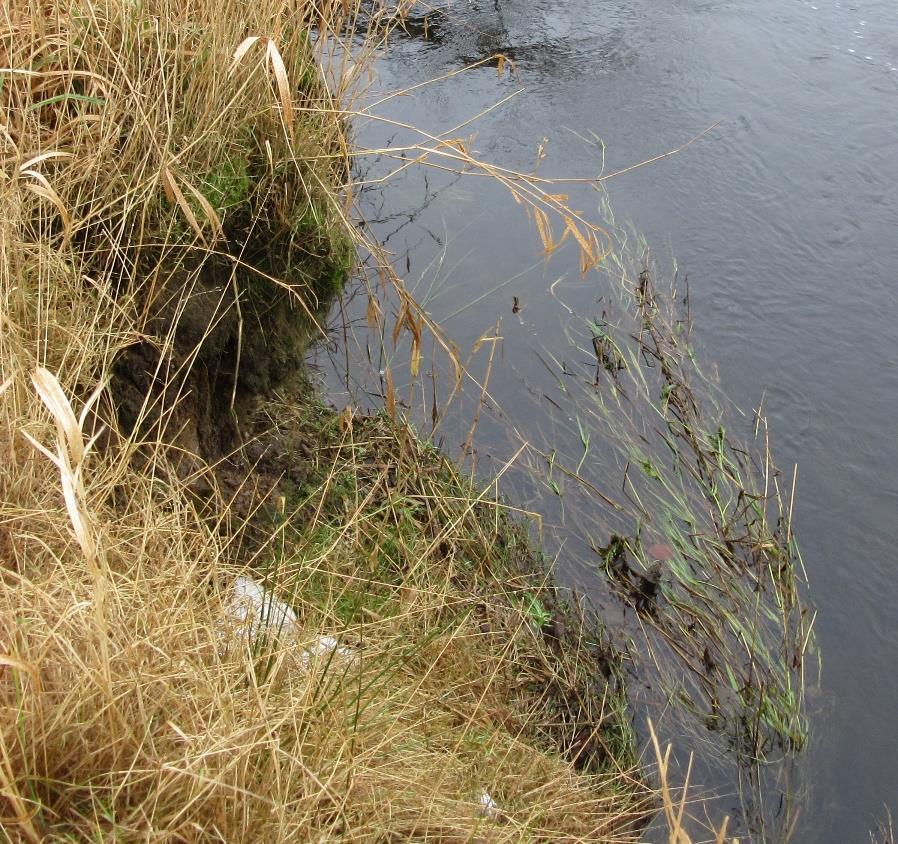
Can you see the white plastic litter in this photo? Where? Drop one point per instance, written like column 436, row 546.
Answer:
column 252, row 611
column 323, row 649
column 488, row 807
column 257, row 611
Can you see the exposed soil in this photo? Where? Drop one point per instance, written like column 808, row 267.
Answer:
column 221, row 336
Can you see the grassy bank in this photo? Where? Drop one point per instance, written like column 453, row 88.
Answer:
column 173, row 228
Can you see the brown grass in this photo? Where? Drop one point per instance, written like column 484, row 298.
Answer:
column 140, row 142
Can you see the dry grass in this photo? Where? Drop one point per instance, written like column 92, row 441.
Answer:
column 125, row 719
column 676, row 808
column 144, row 145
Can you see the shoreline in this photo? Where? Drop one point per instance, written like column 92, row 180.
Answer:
column 165, row 442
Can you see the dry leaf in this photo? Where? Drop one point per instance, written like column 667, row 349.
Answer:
column 208, row 210
column 44, row 156
column 169, row 183
column 400, row 321
column 44, row 190
column 544, row 227
column 241, row 51
column 372, row 315
column 51, row 394
column 390, row 394
column 283, row 83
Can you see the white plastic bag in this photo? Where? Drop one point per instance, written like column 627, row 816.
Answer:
column 488, row 807
column 252, row 611
column 257, row 611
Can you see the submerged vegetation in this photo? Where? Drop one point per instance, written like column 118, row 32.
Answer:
column 698, row 537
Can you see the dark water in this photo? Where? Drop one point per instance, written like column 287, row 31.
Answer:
column 786, row 219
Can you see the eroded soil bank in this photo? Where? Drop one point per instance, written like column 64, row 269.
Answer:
column 242, row 405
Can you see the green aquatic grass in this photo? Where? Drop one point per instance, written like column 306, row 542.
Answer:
column 728, row 590
column 688, row 517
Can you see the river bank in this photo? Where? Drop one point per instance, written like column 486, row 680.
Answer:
column 173, row 233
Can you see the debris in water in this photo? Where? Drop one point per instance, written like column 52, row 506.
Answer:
column 660, row 551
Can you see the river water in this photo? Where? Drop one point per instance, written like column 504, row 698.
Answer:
column 784, row 216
